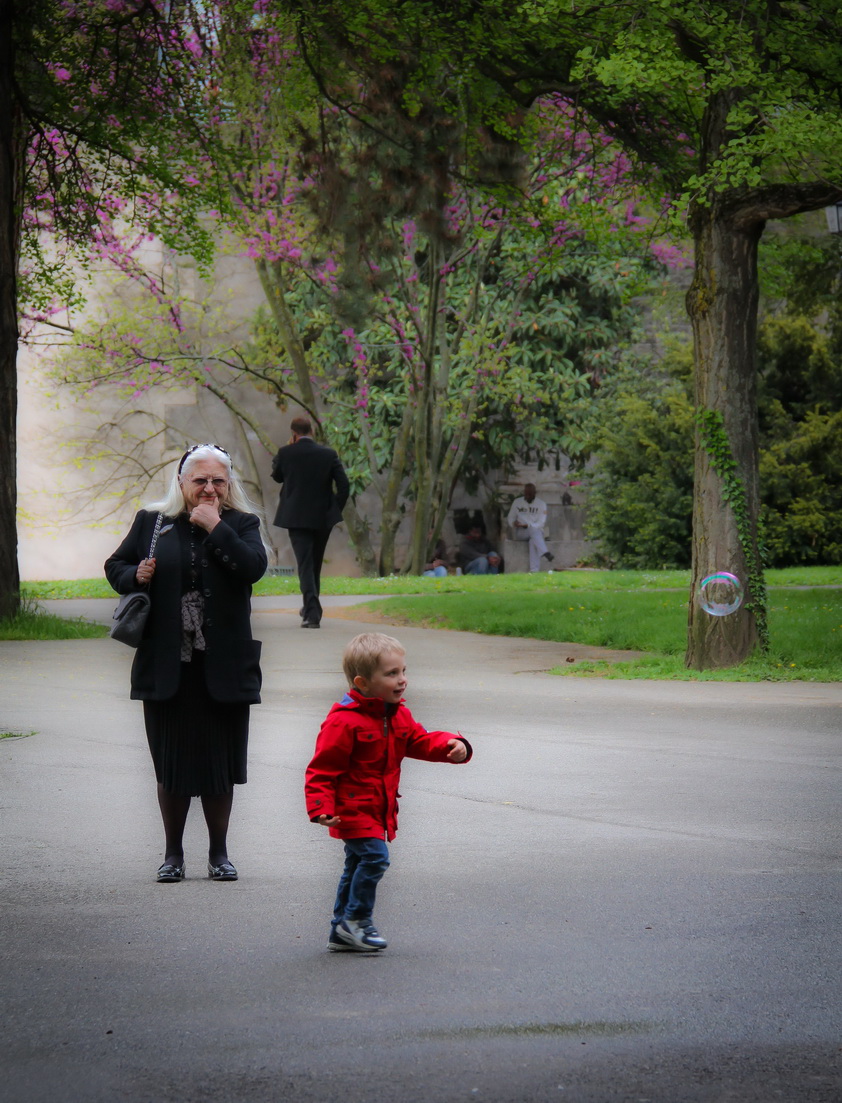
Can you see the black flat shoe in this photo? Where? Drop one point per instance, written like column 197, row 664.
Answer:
column 168, row 873
column 223, row 872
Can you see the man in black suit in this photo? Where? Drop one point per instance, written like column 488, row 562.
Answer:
column 313, row 492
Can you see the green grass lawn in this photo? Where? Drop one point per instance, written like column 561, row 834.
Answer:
column 504, row 583
column 625, row 610
column 32, row 623
column 805, row 628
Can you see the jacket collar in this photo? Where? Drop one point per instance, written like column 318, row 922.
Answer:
column 371, row 706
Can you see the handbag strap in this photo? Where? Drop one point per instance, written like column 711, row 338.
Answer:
column 155, row 536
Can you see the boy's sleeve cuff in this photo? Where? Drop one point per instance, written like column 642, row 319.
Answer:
column 317, row 808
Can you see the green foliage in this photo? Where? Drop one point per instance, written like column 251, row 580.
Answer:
column 801, row 477
column 32, row 623
column 772, row 79
column 641, row 498
column 574, row 581
column 532, row 353
column 570, row 329
column 800, row 397
column 106, row 110
column 61, row 589
column 800, row 268
column 799, row 370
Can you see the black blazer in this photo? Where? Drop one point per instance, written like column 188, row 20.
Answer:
column 315, row 486
column 232, row 558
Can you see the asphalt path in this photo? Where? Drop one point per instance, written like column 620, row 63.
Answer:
column 630, row 895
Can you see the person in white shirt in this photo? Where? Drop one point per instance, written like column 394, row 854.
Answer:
column 526, row 519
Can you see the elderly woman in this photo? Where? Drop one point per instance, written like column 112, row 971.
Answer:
column 197, row 667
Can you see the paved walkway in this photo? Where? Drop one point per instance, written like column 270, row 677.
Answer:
column 631, row 894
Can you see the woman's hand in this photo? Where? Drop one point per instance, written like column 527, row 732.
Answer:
column 205, row 515
column 145, row 570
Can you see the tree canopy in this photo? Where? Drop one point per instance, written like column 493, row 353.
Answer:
column 98, row 104
column 734, row 110
column 441, row 358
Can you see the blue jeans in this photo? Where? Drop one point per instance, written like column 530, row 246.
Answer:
column 480, row 565
column 366, row 860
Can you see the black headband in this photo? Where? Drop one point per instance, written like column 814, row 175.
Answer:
column 195, row 448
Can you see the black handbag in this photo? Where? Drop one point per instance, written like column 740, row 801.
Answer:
column 132, row 610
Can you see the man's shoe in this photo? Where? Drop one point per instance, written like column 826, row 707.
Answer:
column 309, row 624
column 360, row 934
column 336, row 945
column 168, row 873
column 223, row 872
column 548, row 556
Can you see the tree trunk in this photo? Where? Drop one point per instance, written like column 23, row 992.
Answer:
column 358, row 530
column 10, row 151
column 271, row 278
column 722, row 304
column 391, row 512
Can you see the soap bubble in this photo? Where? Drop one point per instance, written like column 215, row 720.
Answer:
column 720, row 594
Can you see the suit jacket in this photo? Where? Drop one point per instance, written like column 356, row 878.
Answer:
column 232, row 557
column 315, row 486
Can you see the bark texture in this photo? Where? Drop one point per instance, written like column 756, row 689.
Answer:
column 722, row 304
column 10, row 172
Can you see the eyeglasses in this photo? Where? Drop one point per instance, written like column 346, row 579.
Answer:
column 195, row 448
column 217, row 483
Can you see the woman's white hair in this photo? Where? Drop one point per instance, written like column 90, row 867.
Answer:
column 172, row 504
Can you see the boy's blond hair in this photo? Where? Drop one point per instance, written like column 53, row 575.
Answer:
column 364, row 652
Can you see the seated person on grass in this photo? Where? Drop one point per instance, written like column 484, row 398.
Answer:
column 437, row 565
column 476, row 553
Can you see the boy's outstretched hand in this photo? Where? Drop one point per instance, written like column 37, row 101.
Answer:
column 458, row 751
column 329, row 821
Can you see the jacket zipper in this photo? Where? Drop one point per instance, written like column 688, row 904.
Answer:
column 388, row 811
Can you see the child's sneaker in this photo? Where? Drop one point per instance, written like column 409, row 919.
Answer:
column 360, row 934
column 336, row 945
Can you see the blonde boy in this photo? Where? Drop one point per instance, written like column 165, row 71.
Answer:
column 352, row 781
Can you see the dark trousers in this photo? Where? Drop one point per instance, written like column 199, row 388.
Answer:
column 309, row 548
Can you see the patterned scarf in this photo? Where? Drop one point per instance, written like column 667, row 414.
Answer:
column 192, row 615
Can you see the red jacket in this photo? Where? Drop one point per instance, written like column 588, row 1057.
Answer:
column 356, row 768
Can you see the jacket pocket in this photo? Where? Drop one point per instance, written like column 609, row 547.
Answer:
column 233, row 669
column 143, row 669
column 369, row 748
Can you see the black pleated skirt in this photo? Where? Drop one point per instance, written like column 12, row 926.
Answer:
column 199, row 746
